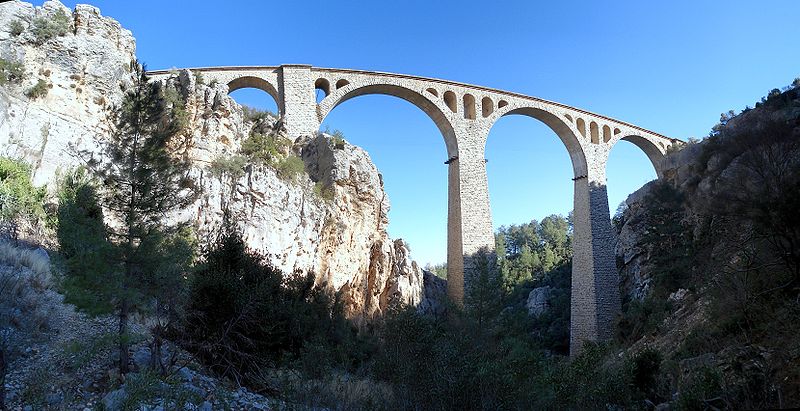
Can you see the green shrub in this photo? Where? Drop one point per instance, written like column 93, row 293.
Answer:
column 244, row 315
column 11, row 72
column 198, row 78
column 646, row 366
column 325, row 192
column 85, row 250
column 701, row 389
column 592, row 380
column 338, row 140
column 37, row 384
column 18, row 196
column 45, row 28
column 16, row 28
column 256, row 115
column 148, row 387
column 173, row 98
column 228, row 166
column 39, row 90
column 291, row 167
column 264, row 148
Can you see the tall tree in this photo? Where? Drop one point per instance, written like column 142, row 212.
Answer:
column 142, row 182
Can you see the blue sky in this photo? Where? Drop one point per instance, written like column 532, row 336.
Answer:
column 671, row 67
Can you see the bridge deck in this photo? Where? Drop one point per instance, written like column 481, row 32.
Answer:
column 419, row 78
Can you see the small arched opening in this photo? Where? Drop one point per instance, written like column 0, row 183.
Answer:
column 341, row 83
column 487, row 107
column 594, row 133
column 322, row 89
column 581, row 126
column 450, row 101
column 469, row 107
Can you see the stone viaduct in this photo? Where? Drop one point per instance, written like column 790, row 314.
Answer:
column 464, row 114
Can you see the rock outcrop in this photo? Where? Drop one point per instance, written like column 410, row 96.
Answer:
column 330, row 220
column 538, row 301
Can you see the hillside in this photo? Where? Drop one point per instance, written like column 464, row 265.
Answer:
column 709, row 262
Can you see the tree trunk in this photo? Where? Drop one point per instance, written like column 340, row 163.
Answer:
column 123, row 337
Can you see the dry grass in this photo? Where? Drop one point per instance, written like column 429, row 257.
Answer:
column 18, row 257
column 27, row 299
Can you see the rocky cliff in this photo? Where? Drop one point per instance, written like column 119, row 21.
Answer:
column 330, row 219
column 709, row 263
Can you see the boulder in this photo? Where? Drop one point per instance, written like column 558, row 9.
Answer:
column 538, row 301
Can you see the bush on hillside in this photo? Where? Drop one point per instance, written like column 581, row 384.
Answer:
column 38, row 90
column 244, row 316
column 228, row 166
column 47, row 27
column 291, row 167
column 337, row 139
column 11, row 72
column 16, row 28
column 257, row 116
column 20, row 201
column 264, row 148
column 86, row 252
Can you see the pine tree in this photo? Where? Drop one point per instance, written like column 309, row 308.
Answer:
column 142, row 181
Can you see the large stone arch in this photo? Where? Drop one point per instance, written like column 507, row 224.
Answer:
column 564, row 130
column 430, row 108
column 257, row 83
column 655, row 151
column 594, row 295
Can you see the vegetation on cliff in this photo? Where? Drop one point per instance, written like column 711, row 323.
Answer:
column 723, row 238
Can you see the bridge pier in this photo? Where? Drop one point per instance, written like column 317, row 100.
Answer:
column 296, row 90
column 595, row 301
column 469, row 221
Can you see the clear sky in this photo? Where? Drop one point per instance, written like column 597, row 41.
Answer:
column 671, row 67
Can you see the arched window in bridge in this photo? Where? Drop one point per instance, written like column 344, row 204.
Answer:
column 450, row 100
column 487, row 107
column 469, row 106
column 323, row 88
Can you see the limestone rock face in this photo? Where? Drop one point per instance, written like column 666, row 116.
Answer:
column 83, row 70
column 538, row 301
column 632, row 258
column 330, row 220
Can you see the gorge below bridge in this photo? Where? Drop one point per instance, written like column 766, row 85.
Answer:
column 464, row 115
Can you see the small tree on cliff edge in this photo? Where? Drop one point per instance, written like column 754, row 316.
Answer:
column 142, row 182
